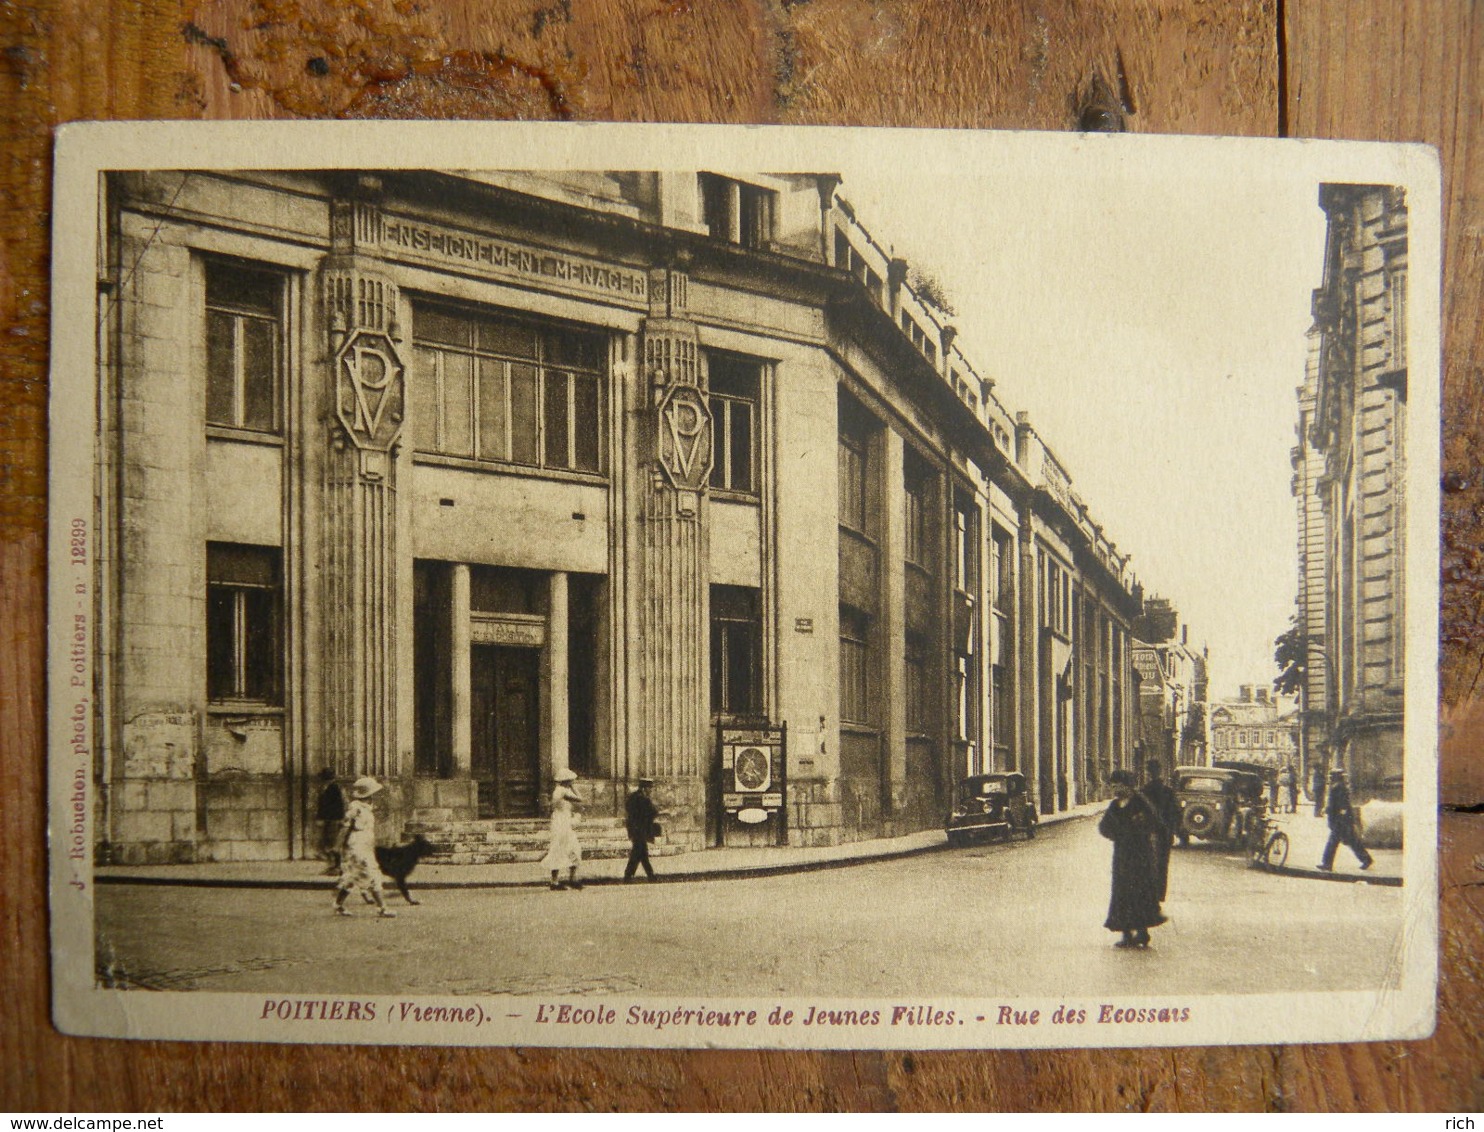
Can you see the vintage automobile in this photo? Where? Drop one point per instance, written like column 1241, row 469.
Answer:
column 991, row 804
column 1219, row 804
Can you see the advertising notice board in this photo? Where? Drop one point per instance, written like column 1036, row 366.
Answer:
column 754, row 783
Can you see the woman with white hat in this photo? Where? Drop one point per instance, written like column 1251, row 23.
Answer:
column 565, row 852
column 358, row 869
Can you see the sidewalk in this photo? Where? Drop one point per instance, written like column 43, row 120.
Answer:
column 1307, row 835
column 696, row 865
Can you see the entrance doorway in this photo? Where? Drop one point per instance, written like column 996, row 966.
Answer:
column 505, row 739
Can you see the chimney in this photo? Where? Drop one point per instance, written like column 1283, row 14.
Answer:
column 1246, row 693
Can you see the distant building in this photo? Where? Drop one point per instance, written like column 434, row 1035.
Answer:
column 1258, row 727
column 1173, row 682
column 1359, row 425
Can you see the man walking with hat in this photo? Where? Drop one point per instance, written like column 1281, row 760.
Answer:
column 1343, row 828
column 639, row 821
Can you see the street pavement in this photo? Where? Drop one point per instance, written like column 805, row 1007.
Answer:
column 1021, row 918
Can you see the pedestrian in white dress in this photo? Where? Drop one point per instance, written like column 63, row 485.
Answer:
column 359, row 871
column 565, row 852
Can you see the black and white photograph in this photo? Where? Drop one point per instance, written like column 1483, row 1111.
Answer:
column 752, row 587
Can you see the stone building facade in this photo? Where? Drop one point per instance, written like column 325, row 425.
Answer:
column 462, row 479
column 1173, row 686
column 1359, row 425
column 1309, row 608
column 1258, row 728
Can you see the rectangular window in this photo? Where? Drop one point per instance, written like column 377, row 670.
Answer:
column 1056, row 592
column 505, row 391
column 855, row 666
column 734, row 391
column 244, row 346
column 737, row 212
column 1004, row 571
column 854, row 470
column 916, row 663
column 917, row 498
column 736, row 651
column 243, row 624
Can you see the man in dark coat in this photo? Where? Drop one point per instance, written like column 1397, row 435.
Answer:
column 1167, row 809
column 329, row 813
column 1131, row 824
column 639, row 822
column 1344, row 829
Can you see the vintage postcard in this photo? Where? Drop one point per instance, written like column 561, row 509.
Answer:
column 699, row 586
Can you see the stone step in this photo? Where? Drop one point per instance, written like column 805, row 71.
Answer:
column 503, row 841
column 514, row 826
column 502, row 856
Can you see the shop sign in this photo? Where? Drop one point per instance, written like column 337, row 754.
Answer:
column 510, row 260
column 515, row 633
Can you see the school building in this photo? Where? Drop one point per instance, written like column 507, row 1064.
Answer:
column 459, row 479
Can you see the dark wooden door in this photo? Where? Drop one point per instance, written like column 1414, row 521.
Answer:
column 505, row 710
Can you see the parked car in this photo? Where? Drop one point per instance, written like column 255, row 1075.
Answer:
column 991, row 804
column 1219, row 804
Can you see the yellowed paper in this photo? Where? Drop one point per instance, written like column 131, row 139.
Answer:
column 448, row 520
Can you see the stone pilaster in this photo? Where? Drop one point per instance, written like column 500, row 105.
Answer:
column 368, row 376
column 674, row 656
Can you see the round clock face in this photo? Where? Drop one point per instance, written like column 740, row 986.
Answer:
column 752, row 769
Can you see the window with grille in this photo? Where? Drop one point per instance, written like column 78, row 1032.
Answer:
column 243, row 631
column 244, row 346
column 734, row 390
column 507, row 391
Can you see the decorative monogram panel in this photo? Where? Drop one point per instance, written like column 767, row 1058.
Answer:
column 685, row 438
column 369, row 389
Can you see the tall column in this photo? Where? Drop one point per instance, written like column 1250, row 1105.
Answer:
column 367, row 376
column 458, row 636
column 893, row 635
column 675, row 458
column 557, row 686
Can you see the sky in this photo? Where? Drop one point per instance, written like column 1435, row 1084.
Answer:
column 1154, row 328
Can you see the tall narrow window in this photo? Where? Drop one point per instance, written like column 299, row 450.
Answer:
column 855, row 666
column 736, row 651
column 507, row 391
column 243, row 633
column 919, row 713
column 917, row 527
column 735, row 384
column 244, row 346
column 854, row 470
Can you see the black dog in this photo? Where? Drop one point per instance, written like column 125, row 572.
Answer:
column 398, row 861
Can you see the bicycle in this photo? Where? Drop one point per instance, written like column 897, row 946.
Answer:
column 1267, row 843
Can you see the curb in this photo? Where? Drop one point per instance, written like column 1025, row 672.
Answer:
column 1343, row 878
column 325, row 884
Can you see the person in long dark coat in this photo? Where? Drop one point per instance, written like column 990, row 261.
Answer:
column 1131, row 824
column 1343, row 827
column 329, row 815
column 1167, row 809
column 639, row 823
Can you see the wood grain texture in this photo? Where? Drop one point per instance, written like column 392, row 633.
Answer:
column 1363, row 68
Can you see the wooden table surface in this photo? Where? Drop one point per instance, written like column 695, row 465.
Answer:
column 1389, row 69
